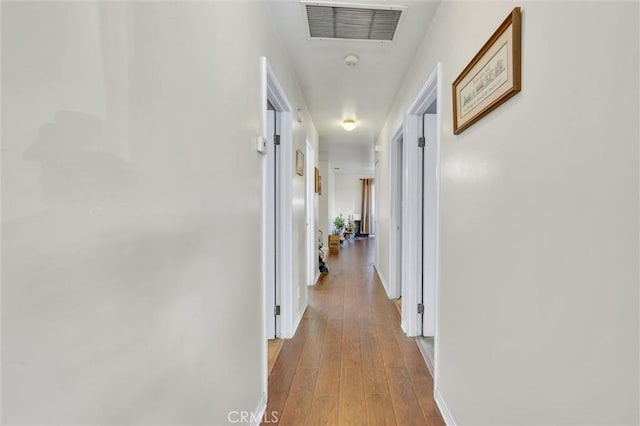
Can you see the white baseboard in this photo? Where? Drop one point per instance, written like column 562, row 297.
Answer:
column 383, row 281
column 297, row 323
column 444, row 410
column 315, row 281
column 258, row 413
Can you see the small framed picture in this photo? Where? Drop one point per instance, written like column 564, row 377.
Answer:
column 317, row 181
column 299, row 163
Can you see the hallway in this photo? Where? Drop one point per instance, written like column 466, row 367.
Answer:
column 349, row 362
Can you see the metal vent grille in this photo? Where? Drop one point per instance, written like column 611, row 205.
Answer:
column 352, row 23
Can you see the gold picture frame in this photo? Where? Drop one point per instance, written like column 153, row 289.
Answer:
column 299, row 163
column 492, row 76
column 317, row 180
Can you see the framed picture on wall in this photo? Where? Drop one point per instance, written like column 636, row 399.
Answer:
column 299, row 162
column 492, row 76
column 317, row 181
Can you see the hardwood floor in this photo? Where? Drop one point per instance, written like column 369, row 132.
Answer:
column 273, row 350
column 349, row 362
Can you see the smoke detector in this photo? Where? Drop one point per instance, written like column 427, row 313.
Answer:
column 351, row 60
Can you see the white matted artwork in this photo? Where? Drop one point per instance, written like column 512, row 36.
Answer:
column 492, row 76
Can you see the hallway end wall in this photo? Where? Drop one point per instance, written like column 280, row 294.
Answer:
column 539, row 254
column 131, row 210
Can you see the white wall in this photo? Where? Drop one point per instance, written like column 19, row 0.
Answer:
column 539, row 218
column 323, row 221
column 131, row 207
column 348, row 194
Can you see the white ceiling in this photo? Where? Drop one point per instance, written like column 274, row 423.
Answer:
column 334, row 91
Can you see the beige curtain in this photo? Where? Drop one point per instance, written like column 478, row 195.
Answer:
column 365, row 220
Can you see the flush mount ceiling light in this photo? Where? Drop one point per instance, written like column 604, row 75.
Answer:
column 349, row 124
column 351, row 60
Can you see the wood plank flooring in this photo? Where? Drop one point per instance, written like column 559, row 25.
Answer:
column 273, row 350
column 349, row 362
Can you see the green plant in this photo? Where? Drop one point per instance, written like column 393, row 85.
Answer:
column 338, row 224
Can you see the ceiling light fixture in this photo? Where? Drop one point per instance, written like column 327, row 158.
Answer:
column 351, row 60
column 349, row 124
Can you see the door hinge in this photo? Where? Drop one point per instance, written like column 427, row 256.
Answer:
column 420, row 308
column 421, row 142
column 276, row 310
column 276, row 139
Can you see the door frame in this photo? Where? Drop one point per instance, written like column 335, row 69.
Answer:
column 431, row 90
column 412, row 244
column 395, row 178
column 272, row 91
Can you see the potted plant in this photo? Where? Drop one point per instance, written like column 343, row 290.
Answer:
column 334, row 238
column 338, row 225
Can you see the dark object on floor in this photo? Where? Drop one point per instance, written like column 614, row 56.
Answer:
column 322, row 265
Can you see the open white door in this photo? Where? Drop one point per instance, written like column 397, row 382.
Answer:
column 271, row 177
column 420, row 186
column 395, row 232
column 429, row 221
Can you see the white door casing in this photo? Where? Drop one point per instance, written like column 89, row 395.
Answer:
column 272, row 92
column 413, row 249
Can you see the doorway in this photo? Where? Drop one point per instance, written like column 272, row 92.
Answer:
column 420, row 219
column 275, row 143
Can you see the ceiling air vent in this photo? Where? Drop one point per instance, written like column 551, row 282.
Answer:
column 353, row 22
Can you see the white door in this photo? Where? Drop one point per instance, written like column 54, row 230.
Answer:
column 429, row 225
column 271, row 231
column 310, row 213
column 398, row 215
column 395, row 237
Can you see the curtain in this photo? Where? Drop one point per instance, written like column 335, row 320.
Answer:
column 365, row 221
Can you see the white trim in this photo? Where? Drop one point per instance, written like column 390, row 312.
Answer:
column 395, row 286
column 411, row 249
column 278, row 98
column 272, row 91
column 442, row 406
column 315, row 280
column 423, row 350
column 261, row 408
column 382, row 280
column 300, row 315
column 436, row 338
column 410, row 238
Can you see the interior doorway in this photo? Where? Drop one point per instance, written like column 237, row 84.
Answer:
column 420, row 219
column 275, row 144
